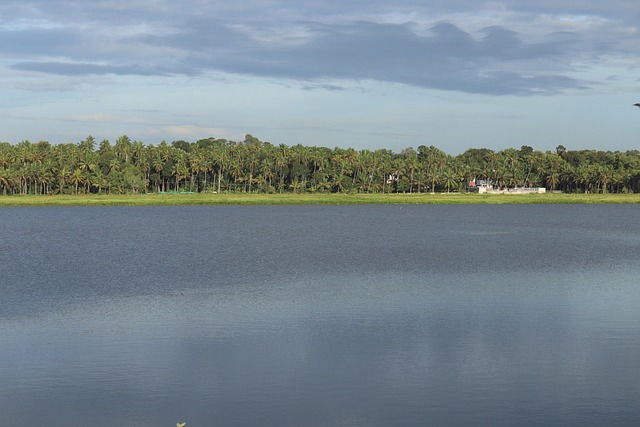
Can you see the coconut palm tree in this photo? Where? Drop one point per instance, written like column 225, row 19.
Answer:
column 552, row 180
column 449, row 179
column 5, row 180
column 433, row 176
column 77, row 178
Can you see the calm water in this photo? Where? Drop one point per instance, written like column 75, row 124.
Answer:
column 320, row 316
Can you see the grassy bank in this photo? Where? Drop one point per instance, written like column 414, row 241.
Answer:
column 310, row 199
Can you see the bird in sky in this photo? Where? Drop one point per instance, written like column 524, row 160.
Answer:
column 637, row 105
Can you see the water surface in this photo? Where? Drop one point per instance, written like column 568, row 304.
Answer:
column 320, row 315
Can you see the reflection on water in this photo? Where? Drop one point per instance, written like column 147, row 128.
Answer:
column 361, row 315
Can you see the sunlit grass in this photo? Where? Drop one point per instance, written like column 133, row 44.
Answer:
column 309, row 199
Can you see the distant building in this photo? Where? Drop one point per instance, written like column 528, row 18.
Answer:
column 483, row 186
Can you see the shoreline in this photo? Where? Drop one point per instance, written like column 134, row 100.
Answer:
column 208, row 199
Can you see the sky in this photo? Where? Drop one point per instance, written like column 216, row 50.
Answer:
column 455, row 74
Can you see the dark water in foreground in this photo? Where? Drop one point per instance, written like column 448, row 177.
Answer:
column 320, row 316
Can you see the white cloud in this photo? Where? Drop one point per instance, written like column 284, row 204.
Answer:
column 442, row 45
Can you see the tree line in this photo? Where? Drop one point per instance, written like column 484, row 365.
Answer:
column 219, row 165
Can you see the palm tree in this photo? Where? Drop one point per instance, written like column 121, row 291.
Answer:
column 123, row 148
column 180, row 169
column 567, row 179
column 143, row 163
column 252, row 162
column 77, row 178
column 553, row 179
column 412, row 165
column 87, row 145
column 295, row 185
column 510, row 179
column 114, row 165
column 281, row 163
column 267, row 172
column 5, row 179
column 137, row 151
column 434, row 177
column 203, row 166
column 99, row 181
column 448, row 179
column 221, row 160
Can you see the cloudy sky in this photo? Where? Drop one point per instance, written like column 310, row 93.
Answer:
column 364, row 74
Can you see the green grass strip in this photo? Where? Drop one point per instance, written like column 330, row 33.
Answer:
column 313, row 199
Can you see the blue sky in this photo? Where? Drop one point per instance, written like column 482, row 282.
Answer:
column 456, row 74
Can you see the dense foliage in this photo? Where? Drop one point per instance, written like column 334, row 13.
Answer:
column 218, row 165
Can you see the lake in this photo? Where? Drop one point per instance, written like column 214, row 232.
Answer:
column 320, row 315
